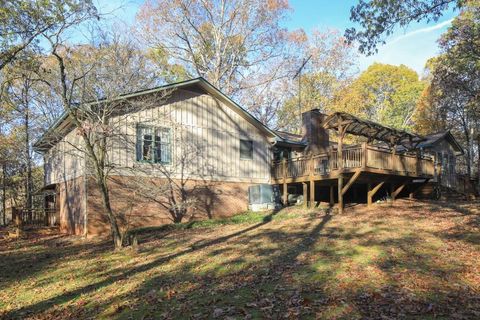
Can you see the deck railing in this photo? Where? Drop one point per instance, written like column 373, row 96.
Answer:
column 35, row 217
column 367, row 157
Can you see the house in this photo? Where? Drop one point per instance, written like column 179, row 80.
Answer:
column 236, row 153
column 230, row 151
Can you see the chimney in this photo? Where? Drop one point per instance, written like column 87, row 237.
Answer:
column 313, row 133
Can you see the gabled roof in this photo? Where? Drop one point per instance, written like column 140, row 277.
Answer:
column 43, row 142
column 434, row 138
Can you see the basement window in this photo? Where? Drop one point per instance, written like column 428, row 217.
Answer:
column 154, row 144
column 246, row 149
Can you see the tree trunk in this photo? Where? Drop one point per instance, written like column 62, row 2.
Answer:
column 116, row 235
column 4, row 192
column 28, row 181
column 478, row 163
column 469, row 152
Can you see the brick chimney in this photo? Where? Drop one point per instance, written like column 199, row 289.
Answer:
column 313, row 133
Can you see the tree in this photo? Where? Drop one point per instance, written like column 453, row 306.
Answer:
column 426, row 119
column 330, row 68
column 19, row 96
column 237, row 45
column 378, row 19
column 454, row 88
column 23, row 23
column 90, row 83
column 383, row 93
column 9, row 165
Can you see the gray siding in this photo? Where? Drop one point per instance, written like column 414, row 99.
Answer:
column 65, row 160
column 198, row 122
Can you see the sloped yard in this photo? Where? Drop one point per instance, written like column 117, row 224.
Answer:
column 412, row 260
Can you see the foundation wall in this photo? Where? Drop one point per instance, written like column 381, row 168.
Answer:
column 209, row 200
column 71, row 206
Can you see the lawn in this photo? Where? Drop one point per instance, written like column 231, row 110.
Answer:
column 410, row 260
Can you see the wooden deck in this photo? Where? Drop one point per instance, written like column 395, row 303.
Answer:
column 361, row 158
column 346, row 166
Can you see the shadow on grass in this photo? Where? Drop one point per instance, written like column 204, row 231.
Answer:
column 121, row 274
column 35, row 253
column 346, row 266
column 219, row 293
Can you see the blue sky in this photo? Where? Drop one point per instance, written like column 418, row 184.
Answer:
column 412, row 46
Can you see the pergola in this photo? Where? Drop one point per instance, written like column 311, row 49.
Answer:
column 346, row 123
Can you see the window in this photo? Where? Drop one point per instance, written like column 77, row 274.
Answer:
column 154, row 144
column 280, row 153
column 246, row 149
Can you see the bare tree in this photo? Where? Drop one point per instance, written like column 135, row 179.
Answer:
column 237, row 45
column 24, row 22
column 91, row 82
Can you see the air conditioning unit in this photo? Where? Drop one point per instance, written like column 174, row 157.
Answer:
column 263, row 197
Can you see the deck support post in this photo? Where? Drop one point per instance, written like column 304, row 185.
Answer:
column 305, row 194
column 373, row 191
column 369, row 199
column 399, row 189
column 351, row 181
column 365, row 155
column 392, row 190
column 340, row 194
column 312, row 182
column 417, row 163
column 341, row 132
column 284, row 171
column 312, row 193
column 332, row 197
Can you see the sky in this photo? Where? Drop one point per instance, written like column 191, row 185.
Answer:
column 412, row 46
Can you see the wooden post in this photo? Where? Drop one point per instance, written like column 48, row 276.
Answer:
column 312, row 193
column 365, row 155
column 341, row 133
column 417, row 163
column 312, row 182
column 372, row 191
column 351, row 181
column 332, row 197
column 340, row 195
column 369, row 198
column 399, row 189
column 284, row 171
column 392, row 191
column 305, row 194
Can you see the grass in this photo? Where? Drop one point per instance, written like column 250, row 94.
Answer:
column 248, row 217
column 412, row 260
